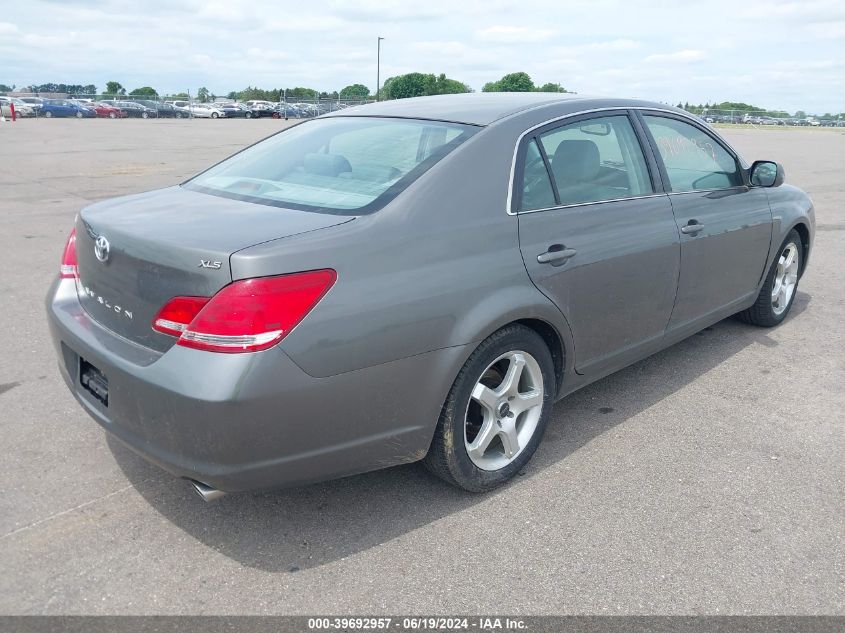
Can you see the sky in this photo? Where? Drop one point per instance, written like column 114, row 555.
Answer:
column 786, row 55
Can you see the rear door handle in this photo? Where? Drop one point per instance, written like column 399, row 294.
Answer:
column 692, row 228
column 556, row 255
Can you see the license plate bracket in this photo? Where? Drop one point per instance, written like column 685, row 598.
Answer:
column 94, row 381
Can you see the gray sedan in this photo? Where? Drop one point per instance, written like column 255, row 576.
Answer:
column 413, row 280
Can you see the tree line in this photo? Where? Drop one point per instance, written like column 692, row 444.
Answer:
column 398, row 87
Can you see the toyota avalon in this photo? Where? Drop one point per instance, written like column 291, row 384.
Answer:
column 411, row 280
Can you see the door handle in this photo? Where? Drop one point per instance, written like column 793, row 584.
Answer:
column 692, row 228
column 556, row 255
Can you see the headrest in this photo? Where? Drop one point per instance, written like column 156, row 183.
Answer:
column 576, row 161
column 326, row 164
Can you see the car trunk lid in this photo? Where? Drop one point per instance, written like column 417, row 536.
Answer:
column 172, row 242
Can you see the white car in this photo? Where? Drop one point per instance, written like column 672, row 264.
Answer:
column 199, row 110
column 22, row 109
column 206, row 111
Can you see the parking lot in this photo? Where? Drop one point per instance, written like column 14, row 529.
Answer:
column 707, row 479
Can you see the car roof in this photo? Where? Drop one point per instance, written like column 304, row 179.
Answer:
column 484, row 108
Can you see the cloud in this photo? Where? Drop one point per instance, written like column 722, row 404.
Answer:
column 513, row 34
column 684, row 57
column 605, row 47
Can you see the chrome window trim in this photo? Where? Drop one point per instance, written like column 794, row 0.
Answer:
column 683, row 193
column 591, row 202
column 622, row 109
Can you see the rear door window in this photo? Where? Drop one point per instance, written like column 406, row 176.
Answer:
column 596, row 159
column 537, row 192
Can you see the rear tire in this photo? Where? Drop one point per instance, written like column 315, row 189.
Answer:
column 496, row 412
column 778, row 292
column 48, row 114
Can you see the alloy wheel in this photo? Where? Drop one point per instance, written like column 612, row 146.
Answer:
column 786, row 277
column 504, row 410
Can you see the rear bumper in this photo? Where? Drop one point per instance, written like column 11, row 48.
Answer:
column 251, row 421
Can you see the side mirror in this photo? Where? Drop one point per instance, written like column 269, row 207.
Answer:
column 766, row 173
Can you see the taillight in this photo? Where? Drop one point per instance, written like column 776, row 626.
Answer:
column 248, row 315
column 174, row 317
column 68, row 269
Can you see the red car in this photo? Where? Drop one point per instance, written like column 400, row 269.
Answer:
column 106, row 110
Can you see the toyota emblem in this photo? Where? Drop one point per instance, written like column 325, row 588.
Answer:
column 101, row 248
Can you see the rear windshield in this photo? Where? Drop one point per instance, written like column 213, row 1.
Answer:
column 343, row 165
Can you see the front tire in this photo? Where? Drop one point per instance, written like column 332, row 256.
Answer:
column 778, row 291
column 496, row 412
column 213, row 115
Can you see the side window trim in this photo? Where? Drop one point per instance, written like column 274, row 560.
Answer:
column 551, row 174
column 642, row 112
column 659, row 181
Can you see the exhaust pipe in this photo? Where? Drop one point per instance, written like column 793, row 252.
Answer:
column 207, row 493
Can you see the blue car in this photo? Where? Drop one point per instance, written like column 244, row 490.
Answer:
column 63, row 107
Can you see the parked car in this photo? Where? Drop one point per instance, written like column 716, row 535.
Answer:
column 291, row 111
column 258, row 104
column 182, row 108
column 64, row 108
column 34, row 102
column 234, row 110
column 351, row 293
column 206, row 111
column 134, row 109
column 106, row 110
column 22, row 109
column 163, row 110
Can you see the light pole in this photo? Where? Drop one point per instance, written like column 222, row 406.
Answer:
column 378, row 68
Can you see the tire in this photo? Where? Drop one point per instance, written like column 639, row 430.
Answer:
column 512, row 431
column 48, row 114
column 778, row 291
column 112, row 115
column 144, row 115
column 213, row 115
column 248, row 115
column 78, row 115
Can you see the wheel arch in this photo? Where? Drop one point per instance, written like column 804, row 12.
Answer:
column 806, row 242
column 553, row 341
